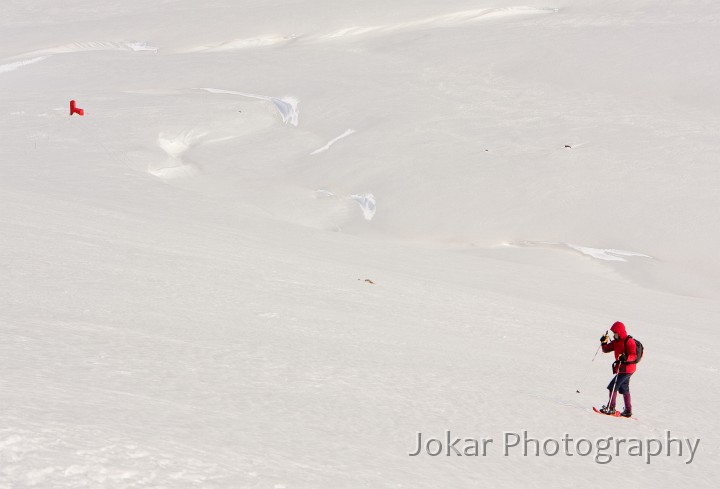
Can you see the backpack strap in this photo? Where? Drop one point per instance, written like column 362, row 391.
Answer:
column 625, row 350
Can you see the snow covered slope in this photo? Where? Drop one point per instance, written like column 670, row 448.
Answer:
column 287, row 237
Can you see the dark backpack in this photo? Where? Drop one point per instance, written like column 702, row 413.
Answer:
column 639, row 349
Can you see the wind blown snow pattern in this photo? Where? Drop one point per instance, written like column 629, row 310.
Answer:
column 204, row 289
column 19, row 64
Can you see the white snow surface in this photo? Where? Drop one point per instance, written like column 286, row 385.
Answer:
column 181, row 307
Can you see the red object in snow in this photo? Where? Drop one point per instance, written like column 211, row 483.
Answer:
column 75, row 110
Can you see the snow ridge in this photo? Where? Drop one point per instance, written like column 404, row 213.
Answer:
column 84, row 46
column 286, row 106
column 76, row 47
column 437, row 22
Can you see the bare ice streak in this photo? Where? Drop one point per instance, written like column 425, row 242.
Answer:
column 333, row 141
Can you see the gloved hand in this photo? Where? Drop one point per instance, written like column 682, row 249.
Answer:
column 622, row 358
column 604, row 338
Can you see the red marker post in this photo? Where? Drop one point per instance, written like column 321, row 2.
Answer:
column 75, row 110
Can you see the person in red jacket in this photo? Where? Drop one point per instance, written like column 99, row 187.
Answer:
column 624, row 366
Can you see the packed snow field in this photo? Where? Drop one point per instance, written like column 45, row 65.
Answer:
column 290, row 244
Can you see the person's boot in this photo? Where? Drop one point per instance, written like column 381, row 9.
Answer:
column 628, row 405
column 608, row 410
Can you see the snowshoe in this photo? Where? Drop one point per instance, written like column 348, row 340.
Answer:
column 608, row 410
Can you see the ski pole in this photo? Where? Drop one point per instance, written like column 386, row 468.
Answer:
column 615, row 384
column 601, row 344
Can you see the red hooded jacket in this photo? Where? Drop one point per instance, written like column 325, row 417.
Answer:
column 618, row 346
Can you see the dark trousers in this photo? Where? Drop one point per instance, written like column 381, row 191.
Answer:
column 623, row 387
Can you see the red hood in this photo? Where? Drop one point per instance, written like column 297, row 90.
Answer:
column 619, row 328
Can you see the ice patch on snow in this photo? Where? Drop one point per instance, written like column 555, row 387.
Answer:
column 19, row 64
column 239, row 44
column 367, row 204
column 287, row 106
column 141, row 46
column 606, row 254
column 333, row 141
column 174, row 171
column 365, row 201
column 79, row 47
